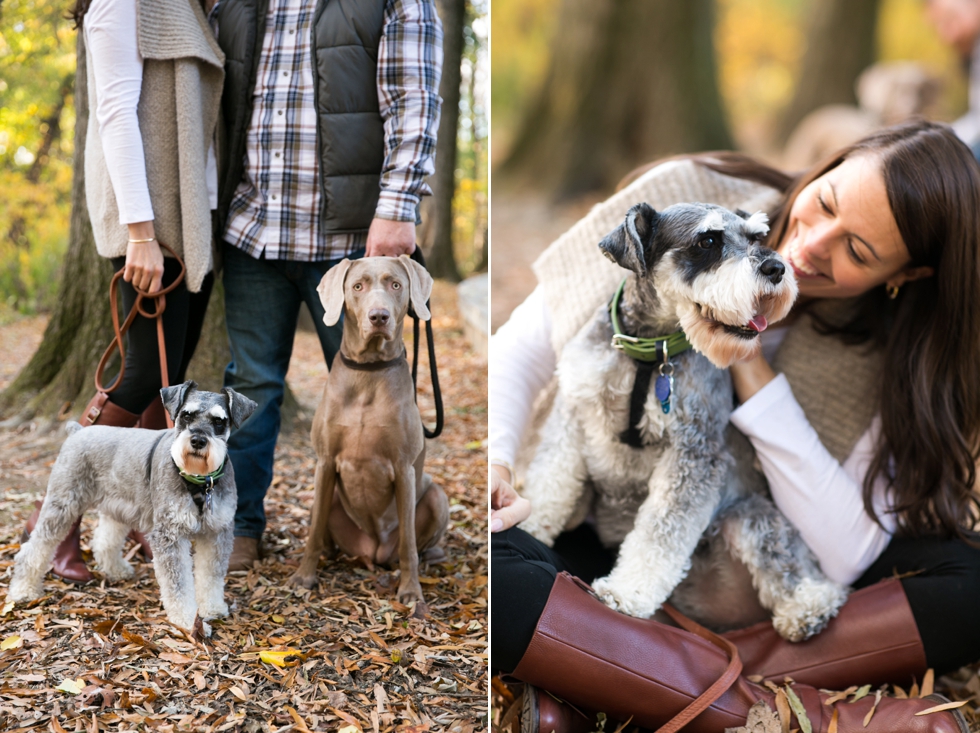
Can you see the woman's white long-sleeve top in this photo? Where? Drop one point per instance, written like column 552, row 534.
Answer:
column 111, row 43
column 819, row 495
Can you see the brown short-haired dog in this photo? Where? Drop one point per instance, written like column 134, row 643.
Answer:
column 372, row 495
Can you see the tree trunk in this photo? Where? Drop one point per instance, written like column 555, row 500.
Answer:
column 841, row 46
column 629, row 81
column 440, row 259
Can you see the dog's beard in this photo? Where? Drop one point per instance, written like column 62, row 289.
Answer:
column 194, row 462
column 711, row 339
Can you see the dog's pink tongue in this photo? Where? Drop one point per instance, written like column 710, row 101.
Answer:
column 759, row 323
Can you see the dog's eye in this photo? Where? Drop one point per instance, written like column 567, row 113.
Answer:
column 708, row 241
column 396, row 285
column 358, row 287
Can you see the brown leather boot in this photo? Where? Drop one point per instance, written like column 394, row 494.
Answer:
column 244, row 554
column 138, row 537
column 154, row 417
column 543, row 713
column 68, row 562
column 872, row 640
column 660, row 677
column 100, row 411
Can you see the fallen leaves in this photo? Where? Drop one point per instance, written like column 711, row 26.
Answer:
column 350, row 656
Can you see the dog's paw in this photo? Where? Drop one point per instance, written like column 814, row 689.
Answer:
column 213, row 609
column 410, row 592
column 20, row 592
column 623, row 600
column 810, row 608
column 116, row 571
column 302, row 580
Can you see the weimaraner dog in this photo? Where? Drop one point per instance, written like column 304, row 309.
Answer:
column 372, row 495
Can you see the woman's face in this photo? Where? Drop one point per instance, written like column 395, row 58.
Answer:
column 841, row 239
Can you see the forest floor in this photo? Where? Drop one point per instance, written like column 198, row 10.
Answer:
column 344, row 656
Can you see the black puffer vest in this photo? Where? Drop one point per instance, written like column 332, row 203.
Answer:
column 350, row 131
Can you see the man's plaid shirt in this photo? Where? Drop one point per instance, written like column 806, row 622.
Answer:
column 276, row 206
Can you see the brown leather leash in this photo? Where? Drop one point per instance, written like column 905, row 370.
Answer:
column 707, row 698
column 160, row 305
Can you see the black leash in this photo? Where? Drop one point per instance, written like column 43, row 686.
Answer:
column 436, row 392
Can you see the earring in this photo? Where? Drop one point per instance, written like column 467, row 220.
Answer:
column 892, row 291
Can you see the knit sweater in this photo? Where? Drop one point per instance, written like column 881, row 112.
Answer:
column 183, row 71
column 834, row 384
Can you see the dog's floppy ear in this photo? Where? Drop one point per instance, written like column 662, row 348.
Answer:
column 331, row 290
column 628, row 245
column 420, row 286
column 239, row 407
column 174, row 397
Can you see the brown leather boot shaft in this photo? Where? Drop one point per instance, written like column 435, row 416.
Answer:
column 647, row 672
column 102, row 411
column 153, row 417
column 68, row 562
column 873, row 640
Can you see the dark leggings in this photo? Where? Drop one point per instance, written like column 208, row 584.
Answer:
column 944, row 592
column 182, row 323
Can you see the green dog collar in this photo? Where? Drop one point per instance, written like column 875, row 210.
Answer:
column 643, row 349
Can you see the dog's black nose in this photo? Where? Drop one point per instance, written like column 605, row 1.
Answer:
column 773, row 270
column 198, row 442
column 378, row 316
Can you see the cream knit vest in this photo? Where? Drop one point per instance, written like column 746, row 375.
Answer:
column 834, row 384
column 183, row 70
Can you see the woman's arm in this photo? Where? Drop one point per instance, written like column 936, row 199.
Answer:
column 521, row 363
column 110, row 32
column 821, row 497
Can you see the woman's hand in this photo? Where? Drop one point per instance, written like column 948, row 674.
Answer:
column 748, row 377
column 144, row 260
column 507, row 507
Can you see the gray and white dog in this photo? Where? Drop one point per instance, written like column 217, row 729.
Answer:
column 175, row 485
column 676, row 495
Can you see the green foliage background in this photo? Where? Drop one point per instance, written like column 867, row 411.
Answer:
column 37, row 66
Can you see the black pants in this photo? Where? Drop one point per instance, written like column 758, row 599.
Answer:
column 182, row 323
column 944, row 592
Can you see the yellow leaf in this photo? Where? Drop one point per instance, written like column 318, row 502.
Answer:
column 396, row 655
column 474, row 445
column 862, row 692
column 944, row 706
column 279, row 658
column 349, row 729
column 7, row 608
column 72, row 686
column 11, row 642
column 832, row 728
column 279, row 619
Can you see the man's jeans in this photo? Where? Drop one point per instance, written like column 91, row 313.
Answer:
column 262, row 300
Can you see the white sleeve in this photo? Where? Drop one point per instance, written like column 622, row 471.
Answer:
column 521, row 363
column 110, row 35
column 821, row 497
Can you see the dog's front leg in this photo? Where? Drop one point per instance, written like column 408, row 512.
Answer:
column 409, row 588
column 318, row 540
column 175, row 574
column 211, row 554
column 556, row 477
column 785, row 573
column 656, row 554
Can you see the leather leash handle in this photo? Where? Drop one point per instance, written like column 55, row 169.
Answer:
column 160, row 305
column 707, row 698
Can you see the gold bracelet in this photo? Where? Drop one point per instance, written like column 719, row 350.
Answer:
column 142, row 241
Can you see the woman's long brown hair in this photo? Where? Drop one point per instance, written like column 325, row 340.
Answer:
column 78, row 11
column 930, row 334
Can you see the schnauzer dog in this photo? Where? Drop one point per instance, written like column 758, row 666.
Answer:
column 665, row 485
column 176, row 485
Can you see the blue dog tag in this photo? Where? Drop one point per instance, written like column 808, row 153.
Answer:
column 662, row 388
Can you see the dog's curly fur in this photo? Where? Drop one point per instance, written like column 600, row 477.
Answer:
column 680, row 498
column 132, row 477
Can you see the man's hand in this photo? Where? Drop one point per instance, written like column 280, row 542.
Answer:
column 390, row 238
column 507, row 507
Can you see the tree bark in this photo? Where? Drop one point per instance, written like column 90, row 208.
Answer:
column 629, row 81
column 841, row 45
column 440, row 259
